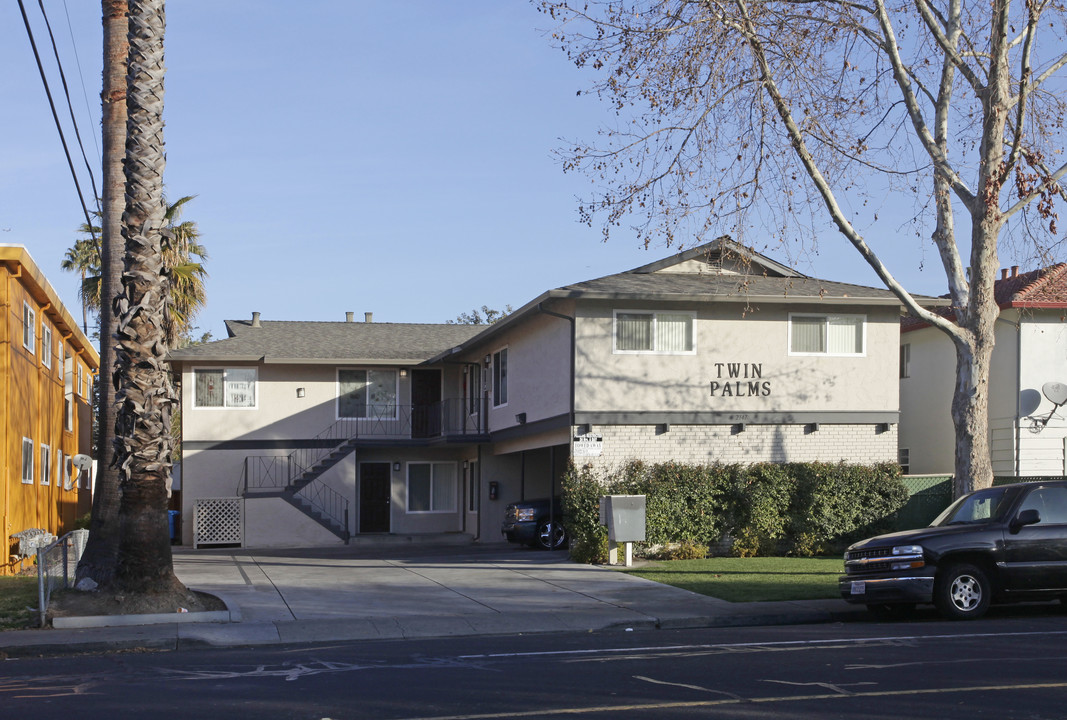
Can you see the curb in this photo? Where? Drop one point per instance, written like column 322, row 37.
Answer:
column 231, row 614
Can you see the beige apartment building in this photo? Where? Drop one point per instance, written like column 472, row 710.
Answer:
column 309, row 433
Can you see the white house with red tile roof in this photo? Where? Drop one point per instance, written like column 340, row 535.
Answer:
column 1028, row 433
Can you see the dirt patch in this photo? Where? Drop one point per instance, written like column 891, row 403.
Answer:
column 75, row 603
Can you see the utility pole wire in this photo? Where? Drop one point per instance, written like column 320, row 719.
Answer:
column 55, row 117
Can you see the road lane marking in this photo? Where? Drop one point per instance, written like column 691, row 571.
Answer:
column 682, row 705
column 687, row 686
column 772, row 644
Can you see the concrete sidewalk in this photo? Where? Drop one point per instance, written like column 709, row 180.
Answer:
column 359, row 593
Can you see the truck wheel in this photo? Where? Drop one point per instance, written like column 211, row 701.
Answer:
column 962, row 592
column 550, row 536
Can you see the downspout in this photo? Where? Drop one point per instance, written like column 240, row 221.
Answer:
column 478, row 492
column 552, row 470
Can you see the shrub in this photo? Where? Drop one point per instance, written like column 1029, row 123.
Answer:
column 834, row 505
column 580, row 500
column 801, row 508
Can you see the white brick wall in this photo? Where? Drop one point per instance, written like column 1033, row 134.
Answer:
column 701, row 444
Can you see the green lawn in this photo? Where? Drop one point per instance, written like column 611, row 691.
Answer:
column 750, row 579
column 17, row 595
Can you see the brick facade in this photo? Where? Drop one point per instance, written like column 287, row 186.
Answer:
column 701, row 444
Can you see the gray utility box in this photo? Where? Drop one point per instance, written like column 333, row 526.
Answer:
column 625, row 517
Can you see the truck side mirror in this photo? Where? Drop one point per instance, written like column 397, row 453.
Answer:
column 1026, row 517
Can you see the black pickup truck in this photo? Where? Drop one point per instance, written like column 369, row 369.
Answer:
column 537, row 523
column 1001, row 544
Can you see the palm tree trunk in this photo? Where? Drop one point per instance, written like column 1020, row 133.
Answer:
column 101, row 553
column 145, row 399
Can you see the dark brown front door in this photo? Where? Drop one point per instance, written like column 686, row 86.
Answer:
column 425, row 403
column 374, row 486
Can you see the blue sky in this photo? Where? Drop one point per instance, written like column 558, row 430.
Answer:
column 390, row 157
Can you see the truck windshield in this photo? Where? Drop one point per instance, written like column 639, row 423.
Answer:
column 978, row 507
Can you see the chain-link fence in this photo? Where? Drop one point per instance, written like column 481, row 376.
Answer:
column 56, row 564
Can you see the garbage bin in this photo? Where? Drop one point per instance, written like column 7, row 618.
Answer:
column 174, row 525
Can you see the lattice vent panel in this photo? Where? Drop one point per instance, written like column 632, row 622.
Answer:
column 219, row 521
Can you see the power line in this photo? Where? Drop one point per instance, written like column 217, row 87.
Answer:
column 81, row 79
column 70, row 106
column 55, row 117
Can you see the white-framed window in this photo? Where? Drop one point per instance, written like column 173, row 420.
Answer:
column 81, row 382
column 46, row 344
column 27, row 461
column 68, row 391
column 29, row 327
column 500, row 377
column 905, row 360
column 366, row 393
column 224, row 387
column 60, row 468
column 654, row 333
column 842, row 335
column 431, row 487
column 46, row 465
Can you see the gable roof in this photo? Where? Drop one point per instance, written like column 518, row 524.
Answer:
column 719, row 271
column 1044, row 288
column 328, row 342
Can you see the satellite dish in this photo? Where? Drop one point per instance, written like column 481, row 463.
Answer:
column 84, row 463
column 1056, row 392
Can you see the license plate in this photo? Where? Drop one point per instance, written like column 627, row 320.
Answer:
column 859, row 587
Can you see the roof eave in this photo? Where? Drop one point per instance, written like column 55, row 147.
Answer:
column 704, row 298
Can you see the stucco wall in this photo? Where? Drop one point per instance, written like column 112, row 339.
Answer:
column 926, row 401
column 741, row 345
column 1043, row 338
column 279, row 414
column 1030, row 350
column 539, row 352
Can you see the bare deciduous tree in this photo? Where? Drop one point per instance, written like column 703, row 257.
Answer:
column 785, row 113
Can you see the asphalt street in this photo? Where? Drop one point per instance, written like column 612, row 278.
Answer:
column 1012, row 665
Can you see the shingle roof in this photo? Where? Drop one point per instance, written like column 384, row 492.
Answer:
column 1042, row 288
column 709, row 286
column 289, row 341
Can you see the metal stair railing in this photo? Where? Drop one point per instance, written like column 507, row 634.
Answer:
column 382, row 421
column 329, row 503
column 265, row 471
column 272, row 472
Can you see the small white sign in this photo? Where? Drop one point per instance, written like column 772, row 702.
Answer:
column 588, row 445
column 859, row 587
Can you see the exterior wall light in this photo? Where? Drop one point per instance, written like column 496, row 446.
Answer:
column 300, row 392
column 521, row 418
column 403, row 372
column 396, row 467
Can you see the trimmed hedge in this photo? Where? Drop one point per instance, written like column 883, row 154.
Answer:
column 799, row 509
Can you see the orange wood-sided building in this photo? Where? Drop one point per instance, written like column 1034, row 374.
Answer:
column 47, row 370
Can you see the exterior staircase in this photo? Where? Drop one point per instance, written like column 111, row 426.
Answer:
column 292, row 478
